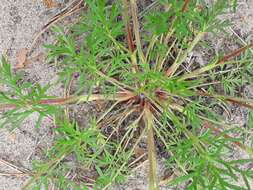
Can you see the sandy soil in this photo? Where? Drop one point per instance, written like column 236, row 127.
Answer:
column 19, row 23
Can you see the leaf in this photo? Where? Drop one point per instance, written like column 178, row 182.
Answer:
column 182, row 179
column 21, row 58
column 250, row 119
column 235, row 5
column 49, row 3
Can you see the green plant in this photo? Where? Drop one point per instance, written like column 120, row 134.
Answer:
column 20, row 99
column 138, row 66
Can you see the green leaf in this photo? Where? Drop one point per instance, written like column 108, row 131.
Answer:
column 182, row 179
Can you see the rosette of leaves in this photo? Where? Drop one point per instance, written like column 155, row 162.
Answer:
column 135, row 61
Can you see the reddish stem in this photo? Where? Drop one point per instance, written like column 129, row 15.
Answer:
column 239, row 103
column 130, row 40
column 121, row 96
column 56, row 101
column 234, row 54
column 228, row 99
column 128, row 28
column 186, row 5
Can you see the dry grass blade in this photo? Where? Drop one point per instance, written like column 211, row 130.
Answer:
column 137, row 160
column 13, row 174
column 240, row 38
column 240, row 102
column 21, row 171
column 107, row 112
column 56, row 19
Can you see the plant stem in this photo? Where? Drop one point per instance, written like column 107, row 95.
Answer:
column 51, row 165
column 129, row 35
column 176, row 64
column 153, row 181
column 239, row 101
column 113, row 81
column 186, row 5
column 208, row 67
column 74, row 99
column 234, row 54
column 237, row 143
column 137, row 30
column 242, row 146
column 222, row 61
column 127, row 26
column 125, row 163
